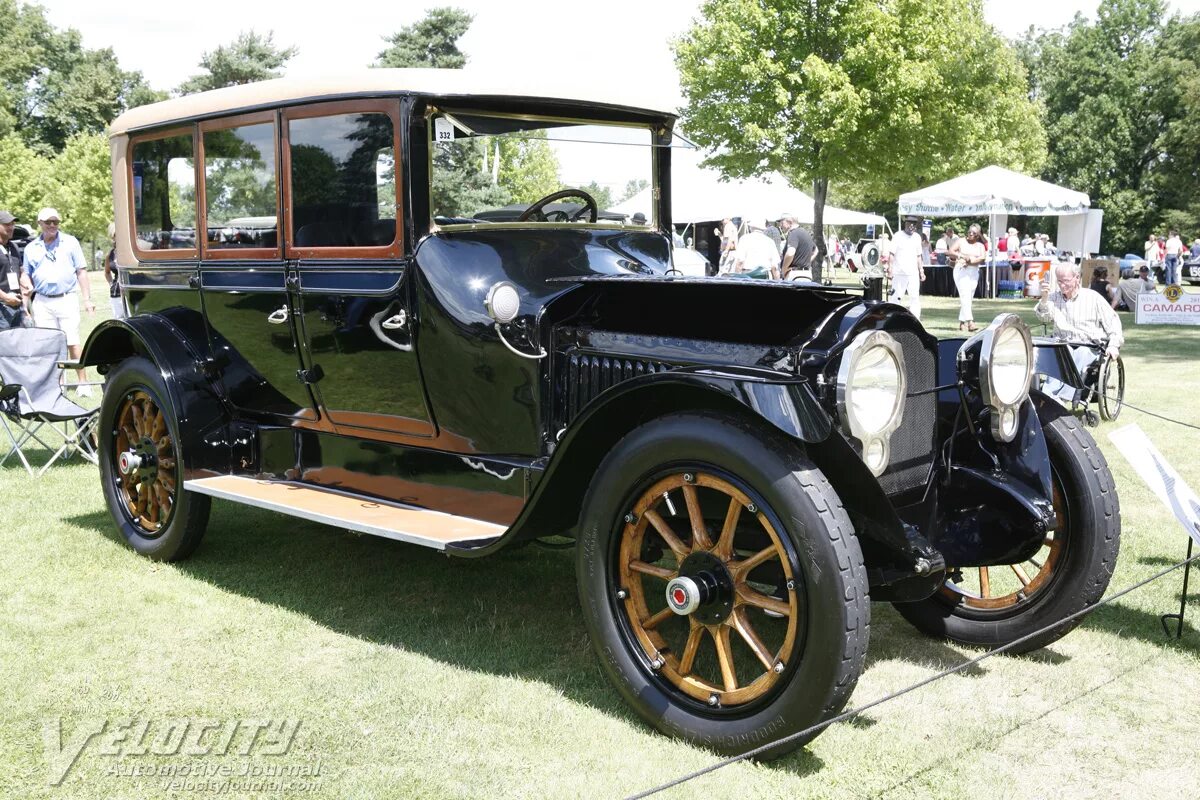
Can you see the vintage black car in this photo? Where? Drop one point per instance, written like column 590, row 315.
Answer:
column 742, row 465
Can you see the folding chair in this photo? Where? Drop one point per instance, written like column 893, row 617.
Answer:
column 33, row 407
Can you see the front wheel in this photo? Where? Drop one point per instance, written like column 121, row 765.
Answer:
column 141, row 465
column 721, row 583
column 994, row 606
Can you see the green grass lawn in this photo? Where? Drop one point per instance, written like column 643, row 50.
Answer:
column 413, row 675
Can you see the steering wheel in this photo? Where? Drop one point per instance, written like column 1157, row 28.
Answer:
column 534, row 212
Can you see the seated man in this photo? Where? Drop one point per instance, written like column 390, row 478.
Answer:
column 1129, row 288
column 1081, row 317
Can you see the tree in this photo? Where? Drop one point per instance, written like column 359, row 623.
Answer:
column 1103, row 88
column 886, row 95
column 25, row 180
column 1121, row 97
column 52, row 87
column 527, row 168
column 251, row 57
column 431, row 42
column 83, row 186
column 632, row 187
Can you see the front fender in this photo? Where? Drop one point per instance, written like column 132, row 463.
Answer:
column 174, row 350
column 892, row 549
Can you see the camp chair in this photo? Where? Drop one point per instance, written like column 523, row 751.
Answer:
column 33, row 407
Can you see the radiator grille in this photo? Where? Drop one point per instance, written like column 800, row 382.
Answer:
column 588, row 375
column 912, row 444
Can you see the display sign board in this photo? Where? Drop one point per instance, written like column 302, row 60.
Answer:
column 1160, row 476
column 1171, row 306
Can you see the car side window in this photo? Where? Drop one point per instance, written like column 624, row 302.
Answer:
column 343, row 180
column 163, row 190
column 241, row 196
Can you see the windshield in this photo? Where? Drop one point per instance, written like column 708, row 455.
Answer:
column 495, row 169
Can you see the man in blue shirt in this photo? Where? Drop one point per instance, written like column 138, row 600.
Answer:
column 54, row 271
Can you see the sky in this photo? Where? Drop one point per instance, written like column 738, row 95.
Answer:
column 615, row 42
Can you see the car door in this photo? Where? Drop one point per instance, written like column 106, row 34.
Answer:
column 356, row 322
column 243, row 277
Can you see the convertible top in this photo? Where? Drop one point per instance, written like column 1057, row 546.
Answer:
column 455, row 83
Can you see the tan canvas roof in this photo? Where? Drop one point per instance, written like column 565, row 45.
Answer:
column 439, row 82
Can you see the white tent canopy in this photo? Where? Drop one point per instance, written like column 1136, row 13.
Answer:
column 699, row 194
column 993, row 191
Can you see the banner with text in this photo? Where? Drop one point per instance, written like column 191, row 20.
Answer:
column 1168, row 307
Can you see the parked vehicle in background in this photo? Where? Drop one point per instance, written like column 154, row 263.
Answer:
column 1190, row 271
column 742, row 465
column 687, row 260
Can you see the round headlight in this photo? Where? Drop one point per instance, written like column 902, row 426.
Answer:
column 870, row 393
column 1009, row 365
column 873, row 395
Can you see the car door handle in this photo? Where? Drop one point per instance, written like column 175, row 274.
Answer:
column 278, row 316
column 395, row 323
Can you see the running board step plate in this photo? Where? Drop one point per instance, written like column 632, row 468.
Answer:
column 355, row 512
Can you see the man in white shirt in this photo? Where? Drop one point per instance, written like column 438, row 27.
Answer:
column 1175, row 249
column 906, row 269
column 55, row 271
column 756, row 251
column 942, row 247
column 1081, row 317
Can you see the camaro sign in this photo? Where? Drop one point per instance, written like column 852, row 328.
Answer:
column 1169, row 307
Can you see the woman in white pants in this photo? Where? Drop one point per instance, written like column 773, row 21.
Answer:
column 968, row 254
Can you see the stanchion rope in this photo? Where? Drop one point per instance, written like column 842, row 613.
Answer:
column 820, row 726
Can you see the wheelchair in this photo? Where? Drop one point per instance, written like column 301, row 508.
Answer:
column 1104, row 385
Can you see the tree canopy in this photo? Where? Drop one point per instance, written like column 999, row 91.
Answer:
column 879, row 95
column 250, row 57
column 1120, row 97
column 52, row 87
column 430, row 42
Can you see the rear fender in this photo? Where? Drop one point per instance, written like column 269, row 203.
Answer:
column 202, row 415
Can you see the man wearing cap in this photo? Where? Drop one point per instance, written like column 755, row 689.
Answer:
column 907, row 268
column 54, row 270
column 1128, row 289
column 12, row 305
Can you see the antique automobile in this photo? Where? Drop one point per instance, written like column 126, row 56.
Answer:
column 741, row 465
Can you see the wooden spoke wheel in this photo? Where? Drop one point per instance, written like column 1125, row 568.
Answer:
column 1001, row 588
column 710, row 595
column 1024, row 605
column 143, row 454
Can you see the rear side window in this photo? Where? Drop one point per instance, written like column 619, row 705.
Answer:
column 164, row 193
column 343, row 181
column 241, row 196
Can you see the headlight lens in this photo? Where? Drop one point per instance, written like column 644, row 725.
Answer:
column 1005, row 351
column 874, row 390
column 870, row 393
column 1010, row 366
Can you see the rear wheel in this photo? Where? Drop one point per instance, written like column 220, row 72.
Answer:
column 141, row 466
column 1111, row 387
column 993, row 606
column 716, row 621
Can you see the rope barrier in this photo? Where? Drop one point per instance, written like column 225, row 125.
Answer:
column 820, row 726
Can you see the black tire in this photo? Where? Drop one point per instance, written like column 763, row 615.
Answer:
column 175, row 533
column 1110, row 388
column 829, row 598
column 1091, row 521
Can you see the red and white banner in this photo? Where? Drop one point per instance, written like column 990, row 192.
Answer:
column 1168, row 307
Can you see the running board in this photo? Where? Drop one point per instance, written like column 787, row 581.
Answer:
column 355, row 512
